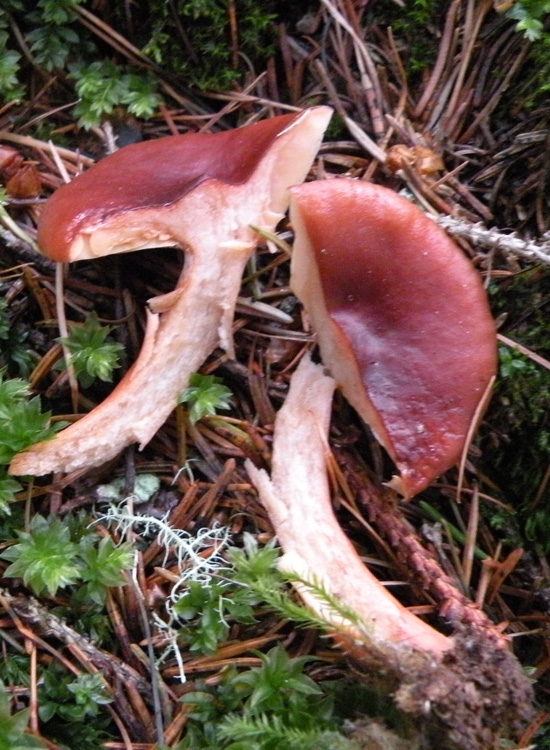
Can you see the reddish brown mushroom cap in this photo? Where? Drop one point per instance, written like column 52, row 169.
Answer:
column 401, row 317
column 144, row 176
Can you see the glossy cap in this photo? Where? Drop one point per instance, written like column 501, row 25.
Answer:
column 401, row 317
column 118, row 204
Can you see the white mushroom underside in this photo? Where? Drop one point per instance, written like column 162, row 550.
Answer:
column 176, row 344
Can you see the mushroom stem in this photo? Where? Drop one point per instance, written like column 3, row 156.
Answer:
column 462, row 690
column 171, row 352
column 315, row 548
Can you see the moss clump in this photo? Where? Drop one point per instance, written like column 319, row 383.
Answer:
column 206, row 52
column 516, row 440
column 417, row 24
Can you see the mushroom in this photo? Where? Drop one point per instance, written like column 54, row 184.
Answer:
column 401, row 317
column 461, row 689
column 202, row 193
column 403, row 325
column 297, row 498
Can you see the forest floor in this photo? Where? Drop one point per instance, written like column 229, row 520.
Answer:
column 96, row 636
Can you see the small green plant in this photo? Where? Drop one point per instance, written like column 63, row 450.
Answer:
column 209, row 610
column 22, row 423
column 278, row 685
column 92, row 355
column 530, row 16
column 519, row 414
column 54, row 41
column 45, row 557
column 273, row 706
column 209, row 61
column 15, row 354
column 239, row 586
column 102, row 86
column 273, row 732
column 8, row 489
column 414, row 22
column 13, row 726
column 515, row 436
column 205, row 395
column 187, row 39
column 52, row 555
column 71, row 709
column 72, row 699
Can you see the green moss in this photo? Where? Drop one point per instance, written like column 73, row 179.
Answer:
column 197, row 43
column 516, row 440
column 417, row 24
column 202, row 51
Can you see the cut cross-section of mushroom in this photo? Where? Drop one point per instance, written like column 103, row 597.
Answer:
column 401, row 318
column 297, row 498
column 201, row 193
column 446, row 683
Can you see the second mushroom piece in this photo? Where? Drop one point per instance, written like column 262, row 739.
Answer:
column 401, row 317
column 202, row 193
column 404, row 327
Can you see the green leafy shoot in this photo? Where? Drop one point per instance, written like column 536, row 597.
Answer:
column 72, row 699
column 14, row 348
column 530, row 16
column 8, row 488
column 51, row 45
column 54, row 553
column 13, row 727
column 205, row 395
column 101, row 86
column 270, row 732
column 255, row 568
column 5, row 322
column 268, row 707
column 236, row 593
column 92, row 356
column 22, row 422
column 103, row 566
column 45, row 557
column 208, row 609
column 279, row 683
column 9, row 69
column 14, row 389
column 58, row 12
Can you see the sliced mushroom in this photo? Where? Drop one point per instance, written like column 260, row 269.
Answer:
column 198, row 192
column 461, row 689
column 297, row 498
column 401, row 318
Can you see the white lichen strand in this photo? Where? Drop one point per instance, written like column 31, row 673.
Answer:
column 185, row 546
column 192, row 565
column 494, row 239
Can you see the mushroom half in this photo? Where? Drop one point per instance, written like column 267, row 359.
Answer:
column 401, row 317
column 202, row 193
column 297, row 498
